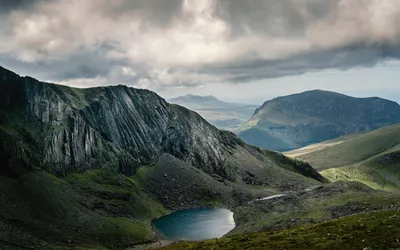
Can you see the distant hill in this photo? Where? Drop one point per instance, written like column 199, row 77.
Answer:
column 372, row 158
column 223, row 115
column 295, row 121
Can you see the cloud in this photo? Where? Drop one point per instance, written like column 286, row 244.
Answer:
column 12, row 5
column 160, row 44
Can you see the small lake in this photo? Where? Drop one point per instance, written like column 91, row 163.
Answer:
column 195, row 224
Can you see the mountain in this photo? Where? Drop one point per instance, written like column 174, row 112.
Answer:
column 372, row 158
column 223, row 115
column 295, row 121
column 92, row 167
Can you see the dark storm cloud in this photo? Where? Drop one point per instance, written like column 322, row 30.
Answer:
column 6, row 6
column 82, row 63
column 340, row 58
column 261, row 16
column 156, row 12
column 163, row 43
column 9, row 5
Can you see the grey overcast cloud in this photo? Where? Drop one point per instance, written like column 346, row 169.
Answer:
column 243, row 51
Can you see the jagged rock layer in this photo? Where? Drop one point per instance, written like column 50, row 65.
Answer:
column 65, row 130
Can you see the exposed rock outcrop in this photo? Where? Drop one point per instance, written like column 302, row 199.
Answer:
column 72, row 130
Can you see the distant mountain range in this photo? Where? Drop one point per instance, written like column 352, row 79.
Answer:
column 294, row 121
column 223, row 115
column 372, row 158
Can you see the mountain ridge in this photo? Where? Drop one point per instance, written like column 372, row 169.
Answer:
column 294, row 121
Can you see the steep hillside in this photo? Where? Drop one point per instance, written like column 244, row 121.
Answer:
column 295, row 121
column 92, row 167
column 371, row 158
column 223, row 115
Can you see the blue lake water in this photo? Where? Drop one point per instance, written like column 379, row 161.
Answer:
column 195, row 224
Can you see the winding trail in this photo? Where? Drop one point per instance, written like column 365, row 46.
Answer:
column 152, row 245
column 271, row 197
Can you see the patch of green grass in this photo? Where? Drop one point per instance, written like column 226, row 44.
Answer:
column 100, row 176
column 141, row 174
column 376, row 175
column 119, row 231
column 117, row 189
column 360, row 158
column 356, row 149
column 96, row 208
column 295, row 165
column 380, row 230
column 331, row 201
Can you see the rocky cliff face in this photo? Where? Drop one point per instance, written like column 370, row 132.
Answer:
column 65, row 130
column 133, row 126
column 295, row 121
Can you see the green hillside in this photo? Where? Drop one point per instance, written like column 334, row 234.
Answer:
column 371, row 158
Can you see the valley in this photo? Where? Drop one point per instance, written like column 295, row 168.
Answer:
column 75, row 174
column 223, row 115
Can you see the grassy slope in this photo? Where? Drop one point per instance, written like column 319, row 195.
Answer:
column 355, row 149
column 97, row 208
column 296, row 208
column 318, row 146
column 371, row 172
column 358, row 159
column 378, row 230
column 305, row 207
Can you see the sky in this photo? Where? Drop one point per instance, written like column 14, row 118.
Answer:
column 241, row 51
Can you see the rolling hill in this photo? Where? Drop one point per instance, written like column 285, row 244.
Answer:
column 295, row 121
column 372, row 158
column 223, row 115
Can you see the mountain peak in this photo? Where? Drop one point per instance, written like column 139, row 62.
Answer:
column 315, row 93
column 293, row 121
column 6, row 74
